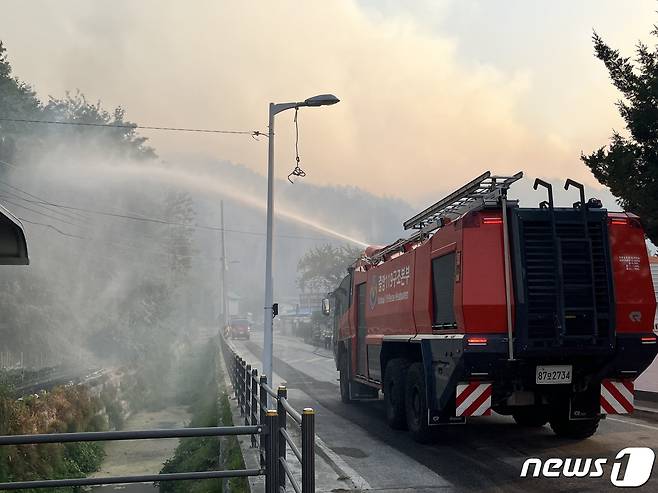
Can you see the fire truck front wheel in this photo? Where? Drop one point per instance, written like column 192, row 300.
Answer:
column 344, row 380
column 394, row 390
column 416, row 404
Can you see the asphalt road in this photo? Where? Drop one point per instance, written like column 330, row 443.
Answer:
column 486, row 454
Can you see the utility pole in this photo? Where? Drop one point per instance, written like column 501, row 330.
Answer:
column 224, row 266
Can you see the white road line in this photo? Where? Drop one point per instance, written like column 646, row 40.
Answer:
column 631, row 423
column 313, row 360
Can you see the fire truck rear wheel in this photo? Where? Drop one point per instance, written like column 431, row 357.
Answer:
column 531, row 417
column 575, row 429
column 394, row 390
column 415, row 403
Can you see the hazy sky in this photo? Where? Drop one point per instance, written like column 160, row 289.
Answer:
column 433, row 92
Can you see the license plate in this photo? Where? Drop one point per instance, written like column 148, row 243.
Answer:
column 553, row 374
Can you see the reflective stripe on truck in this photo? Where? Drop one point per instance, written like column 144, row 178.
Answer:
column 617, row 396
column 473, row 399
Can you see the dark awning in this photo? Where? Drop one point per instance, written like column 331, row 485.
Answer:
column 13, row 246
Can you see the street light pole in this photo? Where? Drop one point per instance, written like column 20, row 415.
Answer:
column 269, row 295
column 275, row 108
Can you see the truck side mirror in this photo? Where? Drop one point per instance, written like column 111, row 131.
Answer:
column 325, row 306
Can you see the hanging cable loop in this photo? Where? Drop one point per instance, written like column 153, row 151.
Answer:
column 297, row 171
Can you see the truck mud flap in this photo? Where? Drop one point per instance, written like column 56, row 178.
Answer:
column 617, row 396
column 443, row 362
column 473, row 399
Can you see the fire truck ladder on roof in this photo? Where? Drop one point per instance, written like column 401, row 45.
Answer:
column 483, row 190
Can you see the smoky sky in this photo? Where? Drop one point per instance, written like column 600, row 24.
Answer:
column 432, row 93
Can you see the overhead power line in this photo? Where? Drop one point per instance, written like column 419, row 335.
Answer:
column 136, row 217
column 35, row 211
column 38, row 200
column 253, row 133
column 143, row 250
column 54, row 228
column 73, row 216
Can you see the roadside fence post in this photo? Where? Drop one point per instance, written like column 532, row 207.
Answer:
column 254, row 403
column 281, row 393
column 271, row 465
column 235, row 375
column 241, row 378
column 247, row 395
column 308, row 450
column 261, row 415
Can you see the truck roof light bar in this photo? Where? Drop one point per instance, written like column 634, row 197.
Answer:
column 475, row 194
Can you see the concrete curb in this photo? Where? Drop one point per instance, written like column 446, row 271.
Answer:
column 331, row 458
column 341, row 467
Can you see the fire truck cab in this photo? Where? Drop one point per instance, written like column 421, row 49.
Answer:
column 545, row 314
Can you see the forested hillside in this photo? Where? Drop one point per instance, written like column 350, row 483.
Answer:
column 124, row 245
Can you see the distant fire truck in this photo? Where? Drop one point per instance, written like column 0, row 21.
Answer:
column 545, row 314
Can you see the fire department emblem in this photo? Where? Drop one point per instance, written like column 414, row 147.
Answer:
column 373, row 297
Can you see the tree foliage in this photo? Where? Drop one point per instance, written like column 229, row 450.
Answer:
column 323, row 267
column 179, row 209
column 80, row 296
column 64, row 410
column 22, row 142
column 629, row 164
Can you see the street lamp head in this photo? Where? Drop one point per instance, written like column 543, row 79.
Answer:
column 321, row 100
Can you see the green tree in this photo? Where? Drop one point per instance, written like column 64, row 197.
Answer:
column 18, row 100
column 179, row 209
column 121, row 142
column 21, row 142
column 629, row 164
column 323, row 267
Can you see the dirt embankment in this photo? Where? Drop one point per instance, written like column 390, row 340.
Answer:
column 128, row 458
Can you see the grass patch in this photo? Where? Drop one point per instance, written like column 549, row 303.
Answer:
column 199, row 385
column 232, row 453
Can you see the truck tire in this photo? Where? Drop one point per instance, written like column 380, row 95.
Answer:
column 344, row 379
column 531, row 417
column 575, row 429
column 394, row 390
column 415, row 403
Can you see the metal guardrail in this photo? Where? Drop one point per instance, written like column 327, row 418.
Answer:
column 261, row 429
column 270, row 425
column 252, row 392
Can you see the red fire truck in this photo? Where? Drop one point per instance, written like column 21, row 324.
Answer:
column 545, row 314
